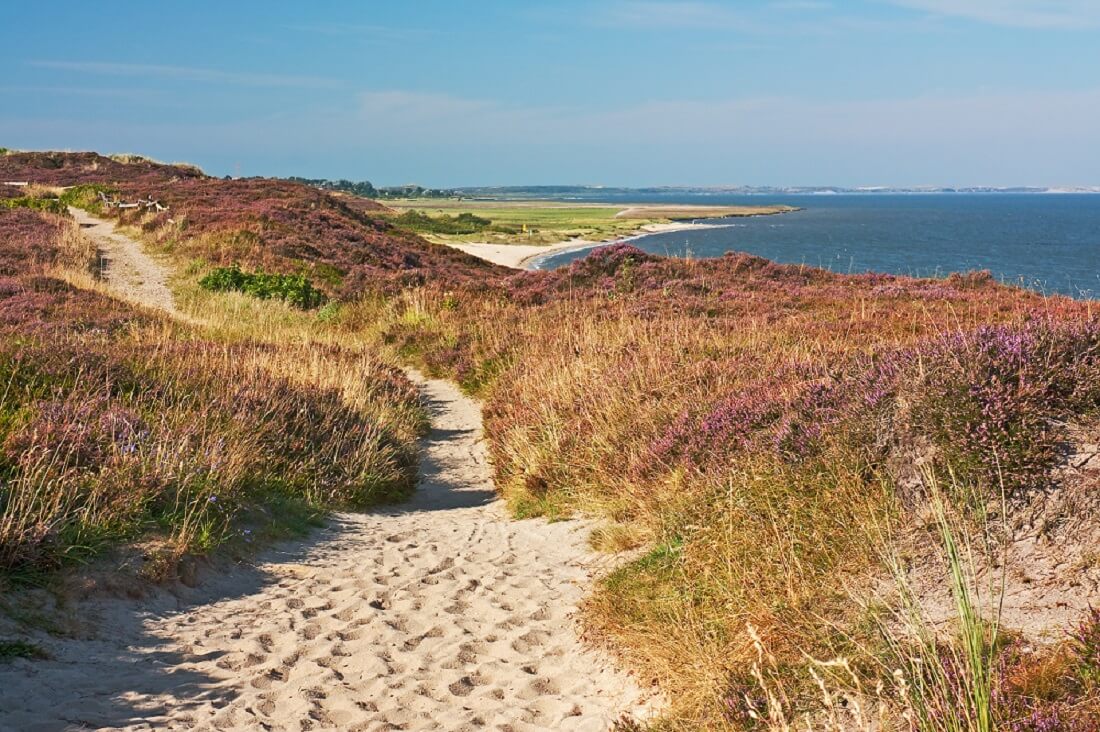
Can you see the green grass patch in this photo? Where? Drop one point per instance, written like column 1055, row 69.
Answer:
column 86, row 196
column 49, row 205
column 526, row 222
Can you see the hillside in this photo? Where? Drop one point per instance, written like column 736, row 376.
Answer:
column 142, row 430
column 73, row 168
column 777, row 443
column 258, row 223
column 834, row 501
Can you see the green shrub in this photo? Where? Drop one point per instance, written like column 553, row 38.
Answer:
column 297, row 289
column 49, row 205
column 464, row 223
column 10, row 650
column 86, row 196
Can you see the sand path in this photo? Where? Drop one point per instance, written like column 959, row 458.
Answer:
column 438, row 614
column 125, row 265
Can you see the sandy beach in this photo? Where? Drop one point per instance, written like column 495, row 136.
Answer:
column 526, row 256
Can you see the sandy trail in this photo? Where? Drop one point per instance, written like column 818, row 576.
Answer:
column 127, row 269
column 437, row 614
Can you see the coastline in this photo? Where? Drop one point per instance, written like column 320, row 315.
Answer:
column 526, row 256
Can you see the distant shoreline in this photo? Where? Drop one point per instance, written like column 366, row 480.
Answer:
column 526, row 256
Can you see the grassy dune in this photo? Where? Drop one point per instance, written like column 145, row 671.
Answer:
column 750, row 428
column 797, row 459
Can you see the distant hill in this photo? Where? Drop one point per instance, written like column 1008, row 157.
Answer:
column 72, row 168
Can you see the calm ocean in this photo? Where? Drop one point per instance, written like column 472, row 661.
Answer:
column 1050, row 242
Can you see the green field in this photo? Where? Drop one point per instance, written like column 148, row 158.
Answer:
column 549, row 222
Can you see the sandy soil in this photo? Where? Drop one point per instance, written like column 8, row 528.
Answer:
column 439, row 613
column 518, row 256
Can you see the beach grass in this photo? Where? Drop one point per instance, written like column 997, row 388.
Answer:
column 740, row 425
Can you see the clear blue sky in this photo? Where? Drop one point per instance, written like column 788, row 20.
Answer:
column 619, row 92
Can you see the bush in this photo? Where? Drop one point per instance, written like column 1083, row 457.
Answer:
column 49, row 205
column 297, row 289
column 464, row 223
column 86, row 196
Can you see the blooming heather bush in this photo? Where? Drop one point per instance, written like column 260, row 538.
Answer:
column 57, row 168
column 995, row 399
column 31, row 241
column 1052, row 688
column 116, row 425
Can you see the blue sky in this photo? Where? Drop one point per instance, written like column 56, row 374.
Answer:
column 617, row 92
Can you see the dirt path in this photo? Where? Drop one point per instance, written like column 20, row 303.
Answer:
column 438, row 614
column 126, row 267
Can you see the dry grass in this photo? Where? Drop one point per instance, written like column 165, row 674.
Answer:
column 739, row 417
column 119, row 425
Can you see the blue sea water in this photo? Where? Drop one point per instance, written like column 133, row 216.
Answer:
column 1049, row 242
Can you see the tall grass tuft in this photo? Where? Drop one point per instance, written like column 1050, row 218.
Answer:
column 951, row 679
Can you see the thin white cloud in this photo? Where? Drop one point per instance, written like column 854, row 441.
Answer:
column 663, row 14
column 776, row 18
column 186, row 73
column 1054, row 14
column 801, row 5
column 418, row 107
column 1028, row 114
column 1007, row 137
column 139, row 95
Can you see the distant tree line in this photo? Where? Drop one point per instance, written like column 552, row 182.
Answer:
column 367, row 190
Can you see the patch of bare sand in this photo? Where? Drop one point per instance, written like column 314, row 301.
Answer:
column 518, row 256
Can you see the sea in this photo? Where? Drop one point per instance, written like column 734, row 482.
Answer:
column 1048, row 242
